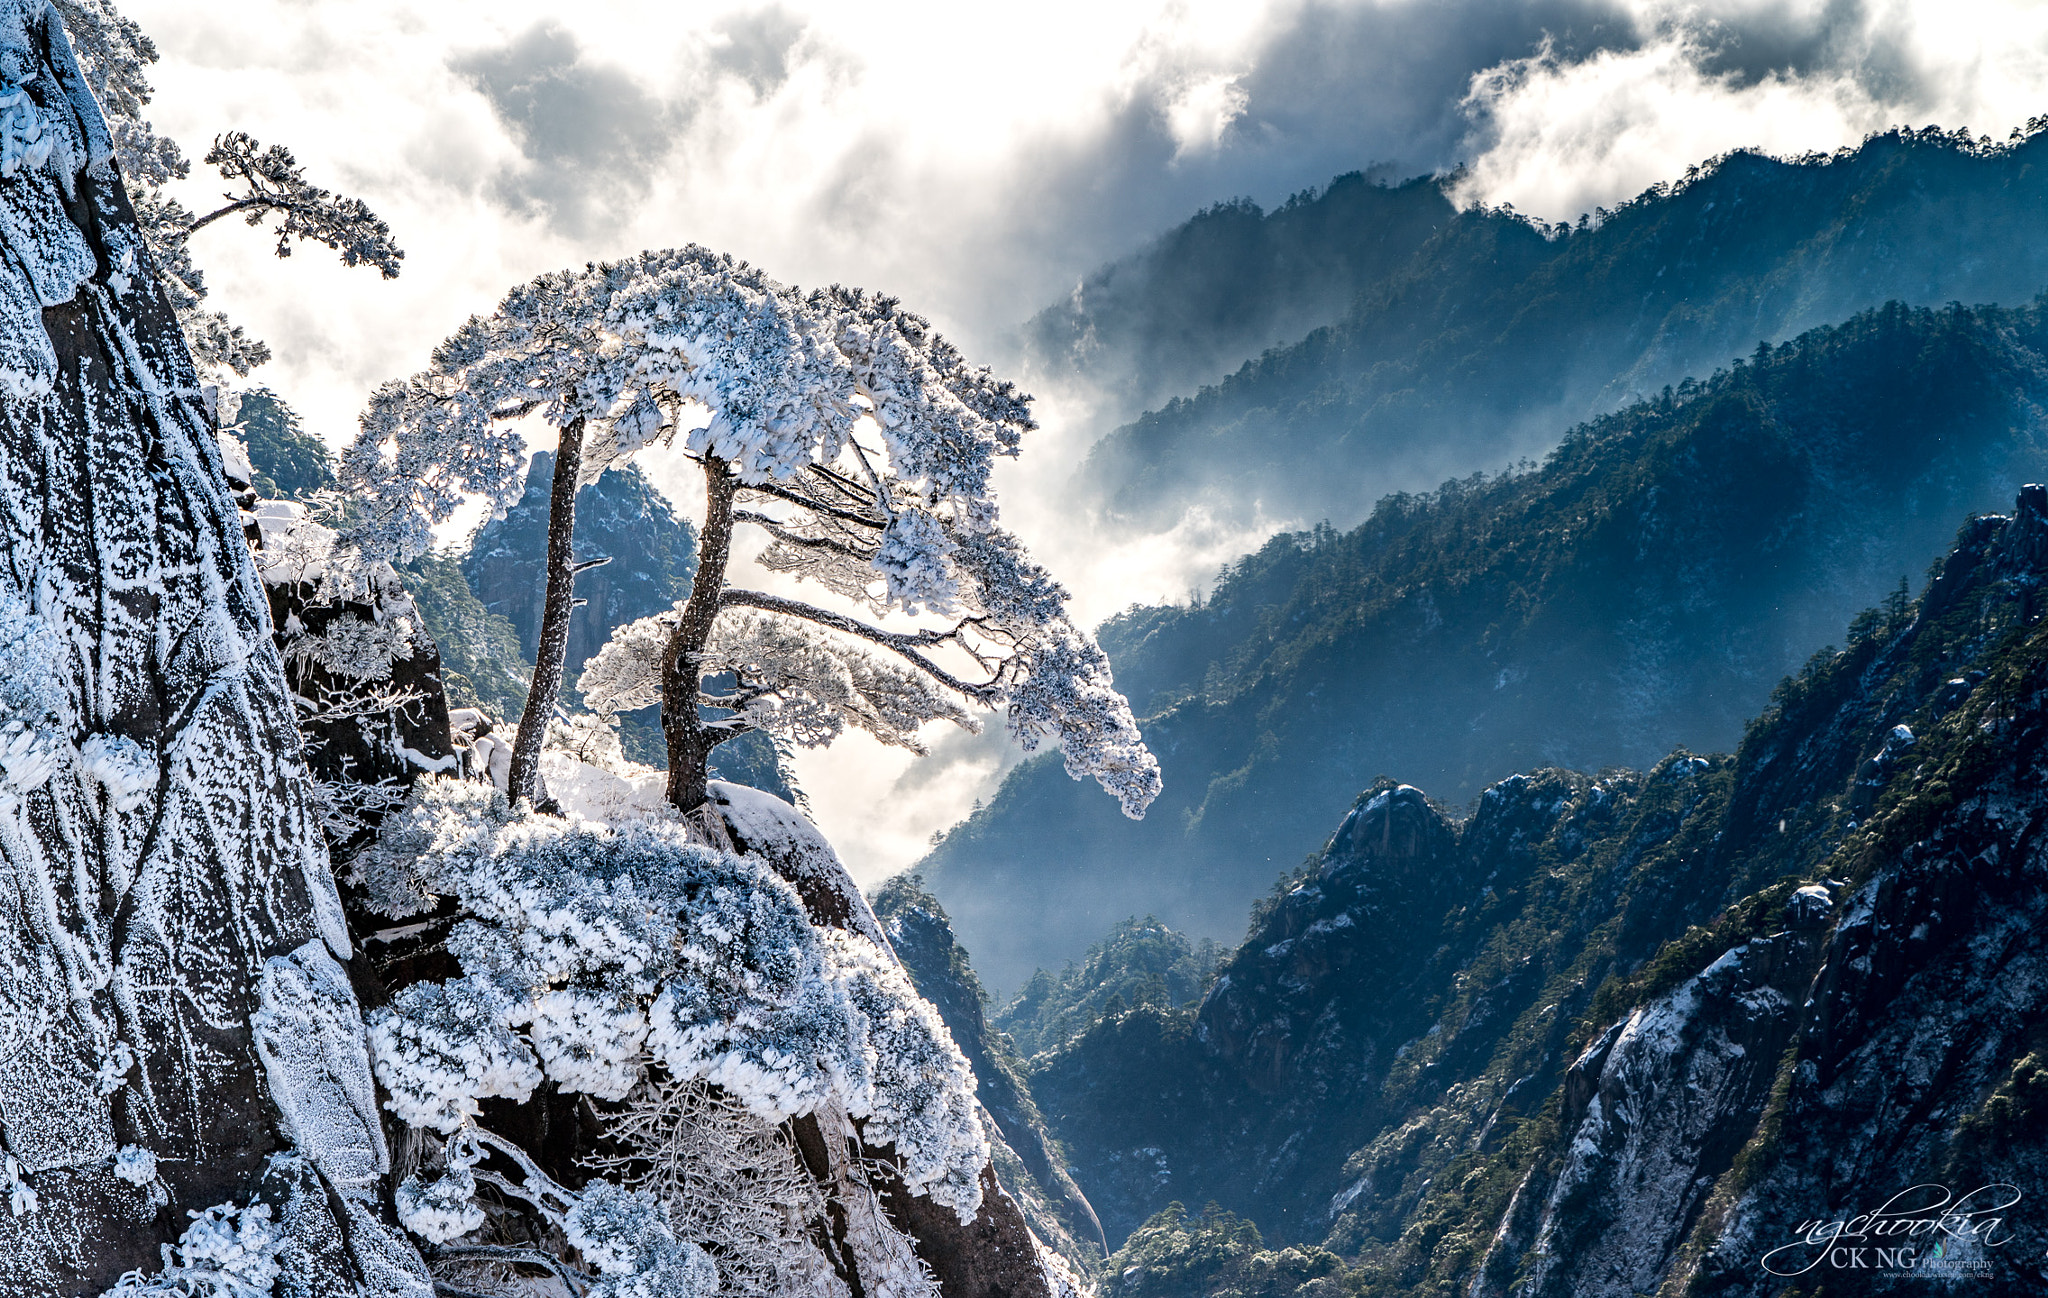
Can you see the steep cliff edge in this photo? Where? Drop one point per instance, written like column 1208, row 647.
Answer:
column 1031, row 1164
column 175, row 1030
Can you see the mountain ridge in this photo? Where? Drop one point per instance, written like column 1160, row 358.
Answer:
column 1474, row 346
column 1639, row 591
column 1622, row 1034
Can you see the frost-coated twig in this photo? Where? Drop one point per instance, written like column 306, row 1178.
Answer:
column 730, row 1181
column 783, row 534
column 848, row 515
column 516, row 1256
column 881, row 492
column 539, row 1182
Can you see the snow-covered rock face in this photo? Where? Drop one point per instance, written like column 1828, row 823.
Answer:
column 34, row 711
column 600, row 952
column 156, row 830
column 363, row 673
column 1674, row 1093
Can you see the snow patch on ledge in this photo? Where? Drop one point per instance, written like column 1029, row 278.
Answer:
column 765, row 826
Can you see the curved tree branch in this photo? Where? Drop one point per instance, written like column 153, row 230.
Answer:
column 240, row 205
column 775, row 529
column 905, row 645
column 277, row 183
column 819, row 506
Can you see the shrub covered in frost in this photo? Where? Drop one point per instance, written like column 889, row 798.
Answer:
column 591, row 954
column 442, row 1209
column 923, row 1090
column 229, row 1251
column 625, row 1235
column 728, row 1181
column 441, row 1047
column 33, row 732
column 135, row 1165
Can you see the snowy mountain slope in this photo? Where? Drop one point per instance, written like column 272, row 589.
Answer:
column 1623, row 1035
column 1639, row 591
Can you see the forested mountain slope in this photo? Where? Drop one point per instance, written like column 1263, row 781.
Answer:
column 1641, row 590
column 1495, row 332
column 1229, row 283
column 1622, row 1035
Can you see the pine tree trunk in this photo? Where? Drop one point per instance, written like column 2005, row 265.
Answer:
column 690, row 741
column 557, row 608
column 169, row 927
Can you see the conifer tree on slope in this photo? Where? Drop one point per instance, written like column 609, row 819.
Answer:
column 840, row 425
column 861, row 443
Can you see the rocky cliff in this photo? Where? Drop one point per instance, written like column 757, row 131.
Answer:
column 176, row 1032
column 653, row 552
column 1030, row 1162
column 1643, row 1033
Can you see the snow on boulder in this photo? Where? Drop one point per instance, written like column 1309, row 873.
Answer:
column 309, row 1033
column 1809, row 907
column 364, row 672
column 763, row 825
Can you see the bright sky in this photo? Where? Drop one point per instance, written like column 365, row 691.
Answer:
column 975, row 160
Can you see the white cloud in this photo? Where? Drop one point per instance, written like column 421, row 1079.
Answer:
column 1567, row 137
column 1201, row 110
column 1558, row 135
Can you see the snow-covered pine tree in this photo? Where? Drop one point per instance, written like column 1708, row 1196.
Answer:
column 176, row 1033
column 843, row 427
column 114, row 55
column 861, row 444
